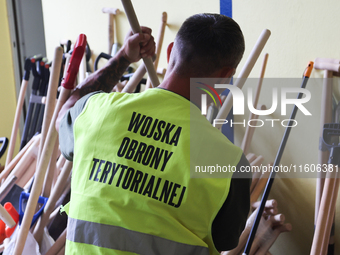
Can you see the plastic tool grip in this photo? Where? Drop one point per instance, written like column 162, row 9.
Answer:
column 15, row 216
column 36, row 58
column 27, row 69
column 75, row 60
column 24, row 197
column 309, row 69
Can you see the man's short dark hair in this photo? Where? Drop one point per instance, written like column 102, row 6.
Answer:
column 207, row 42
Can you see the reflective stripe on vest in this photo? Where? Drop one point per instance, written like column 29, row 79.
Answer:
column 102, row 235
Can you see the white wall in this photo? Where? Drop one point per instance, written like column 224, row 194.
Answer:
column 63, row 22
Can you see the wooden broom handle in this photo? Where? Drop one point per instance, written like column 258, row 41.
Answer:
column 248, row 135
column 26, row 160
column 135, row 79
column 263, row 250
column 328, row 60
column 14, row 162
column 251, row 157
column 51, row 95
column 327, row 207
column 82, row 69
column 131, row 15
column 160, row 38
column 259, row 85
column 112, row 12
column 329, row 66
column 330, row 217
column 259, row 187
column 46, row 190
column 159, row 43
column 326, row 117
column 255, row 53
column 256, row 176
column 6, row 217
column 58, row 245
column 15, row 127
column 50, row 205
column 270, row 204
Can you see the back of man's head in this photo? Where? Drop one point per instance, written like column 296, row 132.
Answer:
column 207, row 42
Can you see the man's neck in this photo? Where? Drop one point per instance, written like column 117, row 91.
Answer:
column 178, row 85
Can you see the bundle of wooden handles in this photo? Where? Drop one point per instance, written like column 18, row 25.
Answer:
column 48, row 147
column 327, row 186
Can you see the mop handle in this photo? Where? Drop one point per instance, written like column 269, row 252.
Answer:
column 276, row 163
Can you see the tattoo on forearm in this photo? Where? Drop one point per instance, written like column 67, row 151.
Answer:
column 106, row 78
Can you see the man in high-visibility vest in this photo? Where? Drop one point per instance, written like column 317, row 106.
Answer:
column 133, row 154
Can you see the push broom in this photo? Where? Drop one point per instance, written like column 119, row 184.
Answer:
column 276, row 164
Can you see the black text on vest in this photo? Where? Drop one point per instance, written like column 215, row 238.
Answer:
column 136, row 181
column 140, row 152
column 159, row 130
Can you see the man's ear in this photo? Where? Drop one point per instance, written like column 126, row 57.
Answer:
column 168, row 51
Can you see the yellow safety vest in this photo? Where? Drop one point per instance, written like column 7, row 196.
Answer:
column 132, row 192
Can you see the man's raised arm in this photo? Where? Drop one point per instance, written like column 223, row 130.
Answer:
column 136, row 46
